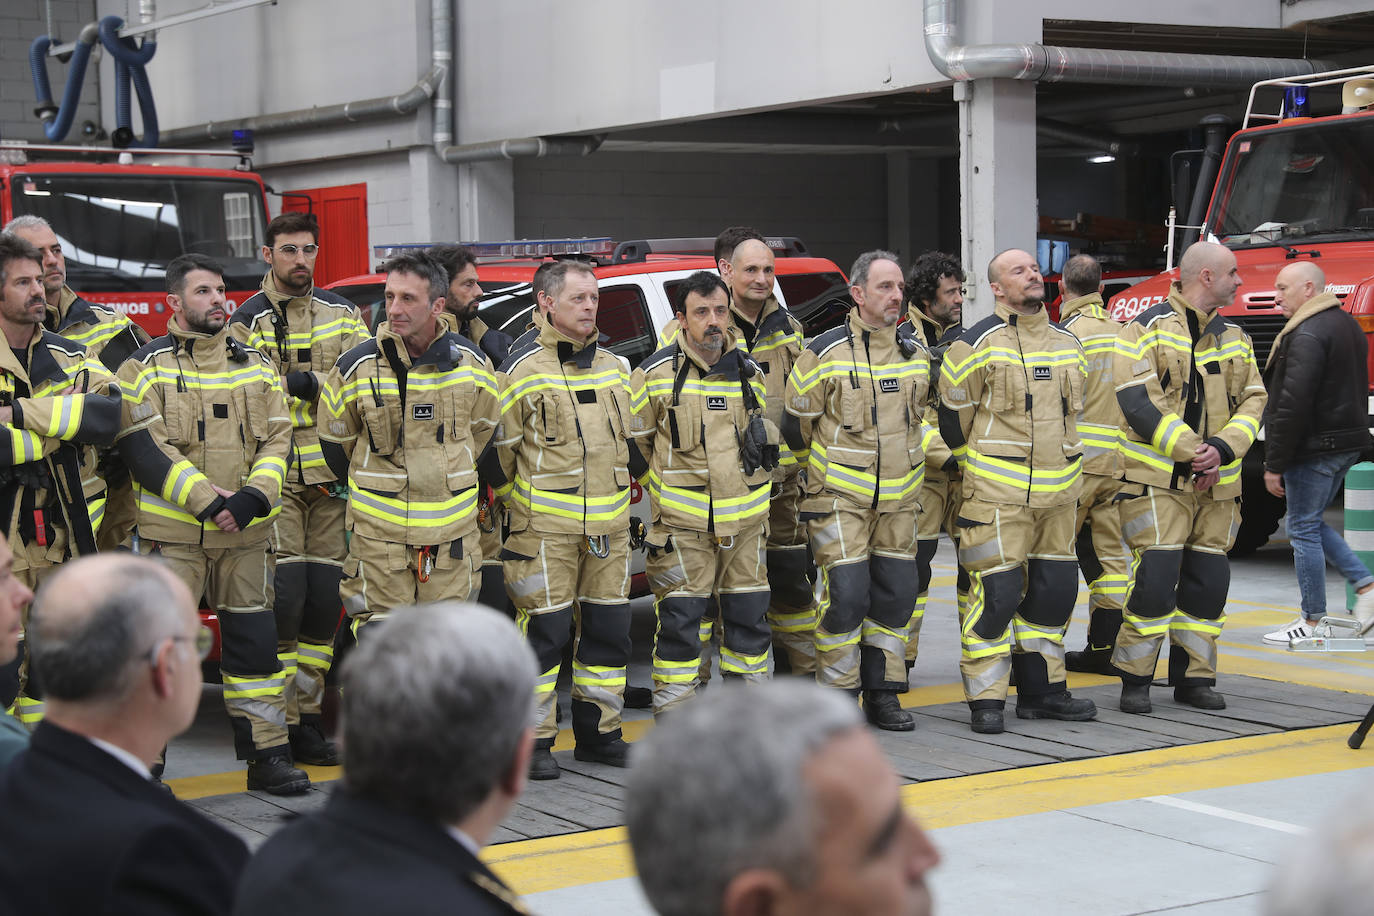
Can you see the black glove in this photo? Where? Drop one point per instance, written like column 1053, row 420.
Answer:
column 302, row 385
column 754, row 450
column 246, row 505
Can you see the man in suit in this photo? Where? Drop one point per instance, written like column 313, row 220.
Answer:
column 83, row 828
column 437, row 738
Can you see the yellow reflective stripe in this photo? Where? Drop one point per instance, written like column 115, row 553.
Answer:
column 153, row 374
column 243, row 687
column 314, row 655
column 674, row 672
column 25, row 446
column 733, row 662
column 526, row 385
column 311, row 456
column 180, row 479
column 804, row 381
column 1145, row 455
column 418, row 514
column 899, row 488
column 1167, row 433
column 65, row 417
column 287, row 660
column 597, row 675
column 571, row 505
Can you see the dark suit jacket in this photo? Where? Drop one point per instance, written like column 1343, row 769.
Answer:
column 80, row 832
column 357, row 857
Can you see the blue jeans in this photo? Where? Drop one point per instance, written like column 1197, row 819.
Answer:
column 1310, row 487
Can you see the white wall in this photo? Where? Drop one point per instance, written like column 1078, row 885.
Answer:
column 21, row 21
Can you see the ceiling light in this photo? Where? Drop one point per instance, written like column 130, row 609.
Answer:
column 1105, row 157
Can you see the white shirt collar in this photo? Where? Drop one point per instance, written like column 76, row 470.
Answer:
column 123, row 756
column 466, row 841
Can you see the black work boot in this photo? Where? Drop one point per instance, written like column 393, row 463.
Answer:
column 309, row 745
column 276, row 776
column 883, row 710
column 1199, row 696
column 1135, row 698
column 639, row 698
column 987, row 721
column 1091, row 661
column 542, row 764
column 1058, row 705
column 615, row 753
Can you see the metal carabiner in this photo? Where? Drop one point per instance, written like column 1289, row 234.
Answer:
column 599, row 545
column 424, row 564
column 726, row 543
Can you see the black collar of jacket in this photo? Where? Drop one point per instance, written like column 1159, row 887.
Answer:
column 779, row 319
column 79, row 312
column 582, row 358
column 43, row 366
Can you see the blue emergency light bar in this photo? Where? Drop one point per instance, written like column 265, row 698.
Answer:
column 513, row 248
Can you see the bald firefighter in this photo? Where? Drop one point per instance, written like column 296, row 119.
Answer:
column 854, row 403
column 699, row 417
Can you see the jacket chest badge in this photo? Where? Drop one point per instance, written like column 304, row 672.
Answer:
column 889, row 384
column 1041, row 373
column 422, row 411
column 715, row 402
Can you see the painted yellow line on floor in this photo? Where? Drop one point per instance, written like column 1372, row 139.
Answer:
column 1290, row 672
column 551, row 863
column 191, row 787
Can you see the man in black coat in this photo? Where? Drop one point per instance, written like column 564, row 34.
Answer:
column 437, row 738
column 83, row 827
column 1316, row 425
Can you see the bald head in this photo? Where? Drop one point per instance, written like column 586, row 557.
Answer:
column 1208, row 276
column 95, row 621
column 1297, row 283
column 1015, row 280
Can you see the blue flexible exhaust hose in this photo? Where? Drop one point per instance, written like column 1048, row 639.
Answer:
column 55, row 127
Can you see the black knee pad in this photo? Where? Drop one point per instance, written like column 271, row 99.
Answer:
column 548, row 634
column 746, row 630
column 321, row 617
column 1051, row 588
column 1204, row 579
column 1001, row 597
column 290, row 585
column 605, row 634
column 925, row 552
column 248, row 644
column 893, row 591
column 849, row 597
column 492, row 592
column 1155, row 583
column 678, row 619
column 787, row 577
column 961, row 579
column 1087, row 554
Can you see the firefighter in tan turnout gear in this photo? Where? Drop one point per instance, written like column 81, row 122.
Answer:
column 107, row 335
column 1102, row 557
column 1192, row 398
column 935, row 291
column 855, row 402
column 303, row 331
column 405, row 419
column 207, row 434
column 56, row 404
column 563, row 450
column 1011, row 388
column 699, row 418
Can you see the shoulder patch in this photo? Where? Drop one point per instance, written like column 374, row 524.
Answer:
column 827, row 339
column 252, row 307
column 977, row 332
column 349, row 362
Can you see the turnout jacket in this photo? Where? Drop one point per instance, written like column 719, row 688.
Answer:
column 688, row 420
column 407, row 433
column 1099, row 424
column 1011, row 388
column 1184, row 378
column 202, row 410
column 496, row 345
column 1318, row 381
column 562, row 446
column 774, row 344
column 931, row 333
column 107, row 335
column 306, row 334
column 858, row 402
column 45, row 466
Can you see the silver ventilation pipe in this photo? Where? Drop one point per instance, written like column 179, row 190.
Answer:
column 1049, row 64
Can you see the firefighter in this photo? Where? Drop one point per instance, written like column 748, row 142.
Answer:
column 303, row 331
column 699, row 407
column 772, row 336
column 407, row 417
column 1011, row 388
column 461, row 303
column 108, row 336
column 206, row 433
column 55, row 403
column 935, row 309
column 855, row 402
column 1192, row 398
column 1102, row 556
column 562, row 449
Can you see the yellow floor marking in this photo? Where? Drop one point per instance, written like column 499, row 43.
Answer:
column 189, row 787
column 550, row 863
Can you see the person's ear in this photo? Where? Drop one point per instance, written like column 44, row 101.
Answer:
column 163, row 666
column 754, row 892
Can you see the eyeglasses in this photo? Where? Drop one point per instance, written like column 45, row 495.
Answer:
column 204, row 641
column 292, row 250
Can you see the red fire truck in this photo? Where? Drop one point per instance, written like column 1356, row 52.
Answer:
column 121, row 215
column 1291, row 186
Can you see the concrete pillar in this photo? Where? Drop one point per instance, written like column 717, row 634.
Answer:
column 486, row 200
column 997, row 200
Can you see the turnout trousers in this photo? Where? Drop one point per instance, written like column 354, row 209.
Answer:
column 33, row 563
column 237, row 585
column 559, row 584
column 1023, row 582
column 310, row 547
column 867, row 594
column 381, row 575
column 792, row 601
column 687, row 570
column 940, row 499
column 1179, row 579
column 1103, row 558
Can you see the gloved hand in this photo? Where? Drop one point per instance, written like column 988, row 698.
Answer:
column 245, row 505
column 302, row 385
column 754, row 450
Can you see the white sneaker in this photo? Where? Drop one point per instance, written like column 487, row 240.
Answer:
column 1364, row 611
column 1295, row 630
